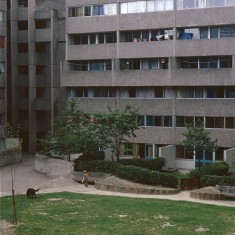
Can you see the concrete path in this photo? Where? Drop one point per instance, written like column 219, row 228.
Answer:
column 25, row 176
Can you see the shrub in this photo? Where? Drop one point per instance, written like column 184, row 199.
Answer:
column 155, row 164
column 227, row 181
column 217, row 168
column 212, row 180
column 92, row 156
column 209, row 180
column 132, row 173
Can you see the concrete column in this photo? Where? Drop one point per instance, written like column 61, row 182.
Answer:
column 32, row 77
column 54, row 72
column 12, row 77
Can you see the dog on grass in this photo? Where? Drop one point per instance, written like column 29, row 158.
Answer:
column 31, row 193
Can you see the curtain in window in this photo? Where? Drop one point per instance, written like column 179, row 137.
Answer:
column 150, row 6
column 124, row 93
column 2, row 42
column 140, row 93
column 71, row 92
column 2, row 68
column 123, row 8
column 98, row 10
column 150, row 92
column 1, row 16
column 141, row 6
column 168, row 93
column 90, row 93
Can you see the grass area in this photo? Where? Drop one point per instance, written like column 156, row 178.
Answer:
column 74, row 214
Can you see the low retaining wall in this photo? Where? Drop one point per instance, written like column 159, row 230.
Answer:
column 51, row 166
column 9, row 156
column 92, row 176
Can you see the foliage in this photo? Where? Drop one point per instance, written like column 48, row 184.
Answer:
column 117, row 125
column 197, row 138
column 212, row 180
column 216, row 168
column 72, row 133
column 155, row 164
column 67, row 213
column 92, row 156
column 132, row 173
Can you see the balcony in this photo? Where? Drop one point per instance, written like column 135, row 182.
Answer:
column 151, row 77
column 91, row 52
column 85, row 78
column 42, row 35
column 202, row 47
column 2, row 55
column 202, row 77
column 204, row 107
column 205, row 16
column 146, row 49
column 22, row 36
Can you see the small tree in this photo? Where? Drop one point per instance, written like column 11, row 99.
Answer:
column 197, row 138
column 72, row 133
column 116, row 126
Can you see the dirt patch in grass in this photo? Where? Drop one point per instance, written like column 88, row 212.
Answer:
column 6, row 228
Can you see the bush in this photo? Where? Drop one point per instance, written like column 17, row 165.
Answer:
column 92, row 156
column 155, row 164
column 217, row 168
column 212, row 180
column 209, row 180
column 132, row 173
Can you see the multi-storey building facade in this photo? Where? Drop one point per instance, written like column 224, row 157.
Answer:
column 37, row 35
column 3, row 72
column 175, row 59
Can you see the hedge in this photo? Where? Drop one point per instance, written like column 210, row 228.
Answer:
column 212, row 180
column 152, row 164
column 217, row 168
column 132, row 173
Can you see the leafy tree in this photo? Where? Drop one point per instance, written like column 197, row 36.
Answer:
column 116, row 126
column 72, row 133
column 197, row 138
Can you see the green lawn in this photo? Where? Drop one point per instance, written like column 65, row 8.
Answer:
column 71, row 213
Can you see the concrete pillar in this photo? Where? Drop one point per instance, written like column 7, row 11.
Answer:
column 32, row 77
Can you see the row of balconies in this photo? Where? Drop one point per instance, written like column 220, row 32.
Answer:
column 149, row 49
column 157, row 77
column 165, row 19
column 42, row 35
column 169, row 135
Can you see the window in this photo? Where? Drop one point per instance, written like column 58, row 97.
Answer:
column 150, row 121
column 2, row 68
column 100, row 38
column 141, row 120
column 181, row 152
column 23, row 92
column 40, row 69
column 80, row 39
column 23, row 3
column 2, row 16
column 22, row 47
column 22, row 25
column 2, row 93
column 215, row 92
column 111, row 38
column 2, row 119
column 87, row 10
column 230, row 122
column 42, row 24
column 2, row 42
column 167, row 121
column 23, row 70
column 214, row 32
column 127, row 149
column 40, row 3
column 230, row 92
column 203, row 33
column 227, row 31
column 40, row 47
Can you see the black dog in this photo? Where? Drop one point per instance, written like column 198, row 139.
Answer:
column 31, row 193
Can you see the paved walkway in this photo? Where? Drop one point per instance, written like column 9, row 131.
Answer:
column 24, row 176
